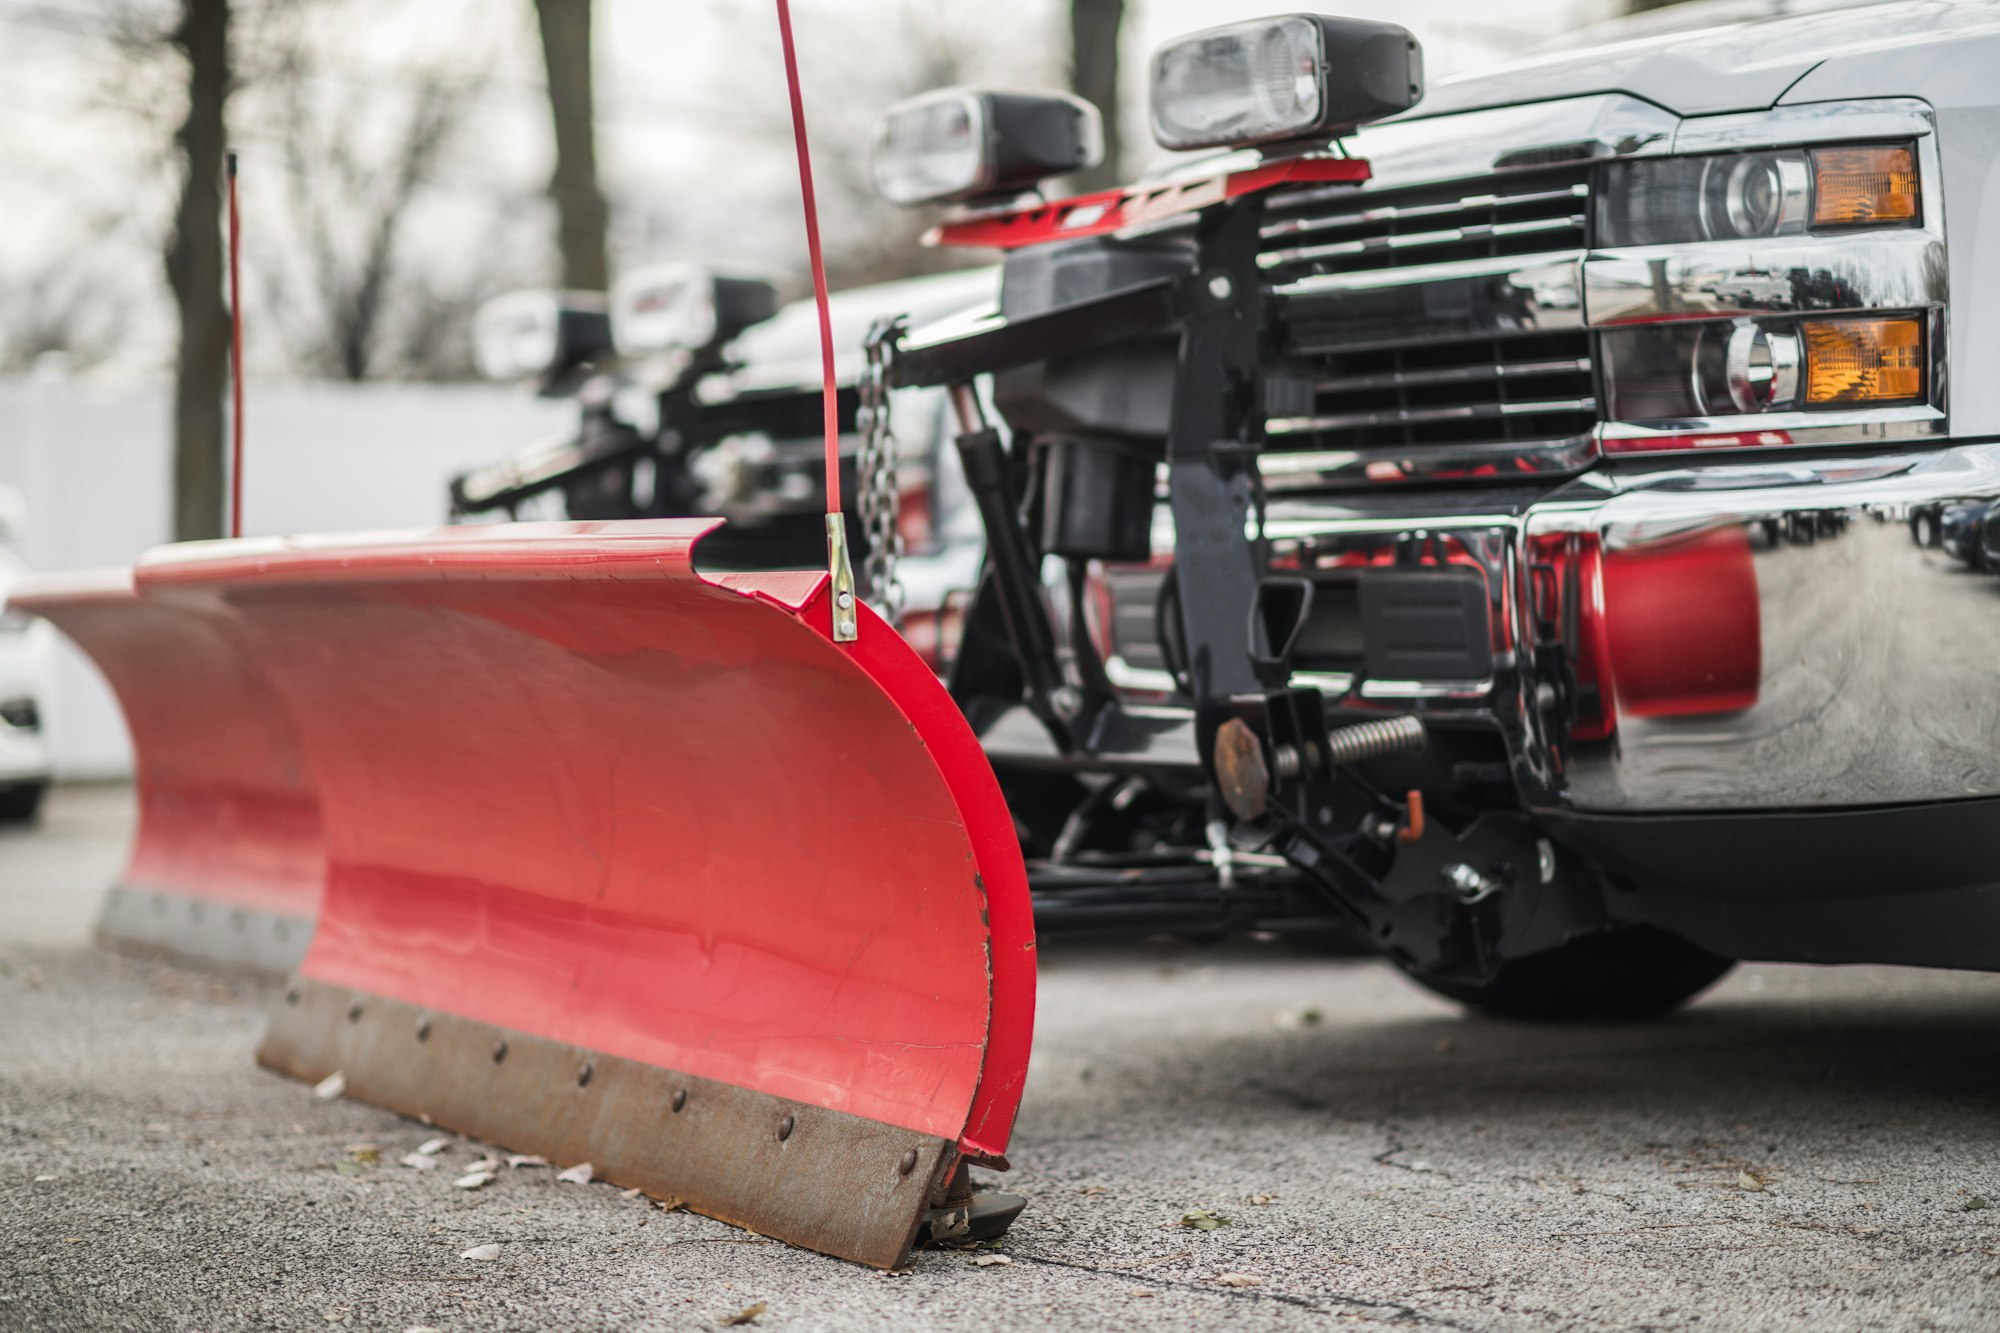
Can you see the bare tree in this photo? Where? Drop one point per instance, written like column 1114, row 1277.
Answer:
column 344, row 287
column 582, row 216
column 1093, row 75
column 194, row 272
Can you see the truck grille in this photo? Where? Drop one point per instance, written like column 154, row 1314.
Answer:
column 1430, row 331
column 1349, row 232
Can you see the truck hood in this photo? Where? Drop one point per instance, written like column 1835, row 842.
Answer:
column 1705, row 58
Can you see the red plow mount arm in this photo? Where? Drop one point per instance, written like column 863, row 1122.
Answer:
column 227, row 864
column 630, row 866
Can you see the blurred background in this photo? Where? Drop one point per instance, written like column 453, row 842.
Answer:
column 403, row 161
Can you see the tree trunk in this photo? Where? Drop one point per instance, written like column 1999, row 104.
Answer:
column 194, row 271
column 580, row 209
column 1093, row 45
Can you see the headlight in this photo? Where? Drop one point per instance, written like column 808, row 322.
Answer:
column 684, row 307
column 1297, row 76
column 531, row 335
column 965, row 144
column 1720, row 368
column 1742, row 196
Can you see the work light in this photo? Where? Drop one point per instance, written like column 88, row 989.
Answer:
column 684, row 307
column 961, row 144
column 1294, row 77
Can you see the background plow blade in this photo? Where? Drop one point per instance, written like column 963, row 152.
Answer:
column 227, row 864
column 632, row 867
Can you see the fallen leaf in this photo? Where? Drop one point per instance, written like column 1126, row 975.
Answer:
column 525, row 1159
column 1201, row 1219
column 1239, row 1280
column 418, row 1162
column 331, row 1088
column 350, row 1169
column 669, row 1205
column 364, row 1152
column 1263, row 1200
column 989, row 1260
column 630, row 1194
column 580, row 1174
column 744, row 1316
column 1092, row 1191
column 1304, row 1016
column 1976, row 1203
column 432, row 1147
column 482, row 1252
column 472, row 1180
column 1141, row 1292
column 43, row 1179
column 1746, row 1181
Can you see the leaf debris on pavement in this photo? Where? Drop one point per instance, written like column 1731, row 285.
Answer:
column 432, row 1147
column 482, row 1252
column 580, row 1174
column 988, row 1260
column 473, row 1179
column 1239, row 1280
column 1203, row 1219
column 747, row 1314
column 1301, row 1016
column 1976, row 1203
column 416, row 1161
column 520, row 1159
column 331, row 1088
column 1746, row 1180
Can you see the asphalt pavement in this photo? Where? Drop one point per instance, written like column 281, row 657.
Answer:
column 1802, row 1149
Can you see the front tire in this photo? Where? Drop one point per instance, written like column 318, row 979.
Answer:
column 20, row 804
column 1616, row 975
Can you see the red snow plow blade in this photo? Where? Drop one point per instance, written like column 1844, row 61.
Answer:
column 632, row 867
column 227, row 864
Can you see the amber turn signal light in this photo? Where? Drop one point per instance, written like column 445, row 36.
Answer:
column 1864, row 187
column 1863, row 360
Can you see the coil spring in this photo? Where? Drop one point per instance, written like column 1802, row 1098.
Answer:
column 1372, row 740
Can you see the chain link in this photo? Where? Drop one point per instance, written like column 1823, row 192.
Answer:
column 880, row 494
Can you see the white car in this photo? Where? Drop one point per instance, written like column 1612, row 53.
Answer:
column 27, row 664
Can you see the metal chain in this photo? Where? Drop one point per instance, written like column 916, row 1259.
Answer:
column 880, row 494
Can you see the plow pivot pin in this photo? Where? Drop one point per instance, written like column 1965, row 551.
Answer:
column 785, row 1127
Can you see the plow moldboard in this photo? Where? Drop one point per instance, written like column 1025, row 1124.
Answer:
column 582, row 801
column 227, row 865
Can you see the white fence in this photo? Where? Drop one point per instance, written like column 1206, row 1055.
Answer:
column 95, row 468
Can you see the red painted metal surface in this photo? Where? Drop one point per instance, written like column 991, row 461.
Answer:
column 227, row 807
column 575, row 789
column 1683, row 624
column 1109, row 211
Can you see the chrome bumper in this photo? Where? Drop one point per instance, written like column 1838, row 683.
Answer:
column 1724, row 637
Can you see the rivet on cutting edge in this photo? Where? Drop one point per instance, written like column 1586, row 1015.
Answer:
column 293, row 995
column 583, row 1075
column 680, row 1099
column 424, row 1028
column 354, row 1012
column 908, row 1164
column 785, row 1128
column 499, row 1050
